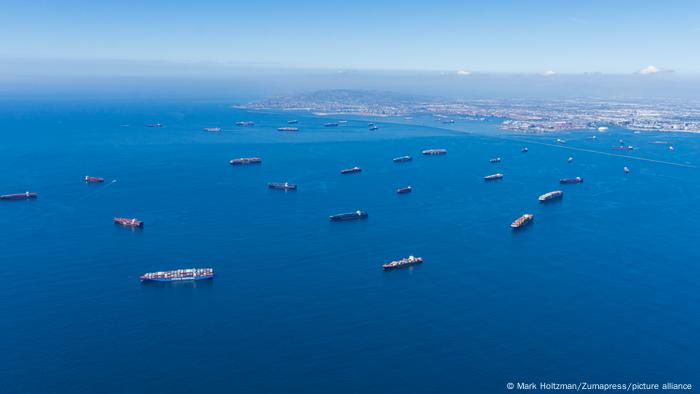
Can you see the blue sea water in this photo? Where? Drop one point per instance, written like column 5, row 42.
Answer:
column 602, row 287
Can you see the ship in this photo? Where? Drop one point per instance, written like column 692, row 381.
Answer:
column 373, row 128
column 493, row 177
column 495, row 160
column 628, row 147
column 282, row 186
column 403, row 190
column 448, row 121
column 19, row 196
column 402, row 159
column 330, row 124
column 351, row 170
column 578, row 179
column 626, row 170
column 570, row 159
column 521, row 221
column 135, row 223
column 292, row 121
column 93, row 179
column 246, row 160
column 343, row 122
column 245, row 123
column 405, row 262
column 434, row 151
column 560, row 141
column 178, row 275
column 593, row 137
column 660, row 142
column 524, row 150
column 349, row 216
column 671, row 148
column 287, row 129
column 212, row 129
column 155, row 125
column 555, row 195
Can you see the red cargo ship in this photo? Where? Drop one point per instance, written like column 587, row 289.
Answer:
column 246, row 160
column 128, row 222
column 94, row 179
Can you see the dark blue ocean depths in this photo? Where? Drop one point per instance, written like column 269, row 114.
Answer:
column 602, row 287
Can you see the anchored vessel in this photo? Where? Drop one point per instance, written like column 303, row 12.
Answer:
column 493, row 177
column 282, row 186
column 245, row 123
column 521, row 221
column 628, row 147
column 128, row 222
column 212, row 129
column 246, row 160
column 403, row 190
column 351, row 170
column 435, row 151
column 555, row 195
column 578, row 179
column 330, row 124
column 93, row 179
column 495, row 160
column 178, row 275
column 287, row 129
column 410, row 260
column 402, row 159
column 349, row 216
column 19, row 196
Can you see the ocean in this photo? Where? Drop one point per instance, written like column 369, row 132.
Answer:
column 602, row 287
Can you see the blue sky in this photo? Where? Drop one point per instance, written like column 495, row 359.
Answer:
column 489, row 36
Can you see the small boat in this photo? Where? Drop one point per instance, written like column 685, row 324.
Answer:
column 493, row 177
column 282, row 186
column 628, row 147
column 578, row 179
column 657, row 142
column 524, row 150
column 622, row 142
column 403, row 190
column 434, row 151
column 154, row 125
column 330, row 124
column 671, row 148
column 410, row 260
column 343, row 122
column 134, row 223
column 402, row 159
column 521, row 221
column 292, row 121
column 555, row 195
column 245, row 160
column 560, row 141
column 351, row 170
column 349, row 216
column 626, row 170
column 178, row 275
column 373, row 128
column 93, row 179
column 448, row 121
column 245, row 123
column 602, row 129
column 287, row 129
column 19, row 196
column 593, row 137
column 495, row 160
column 212, row 129
column 570, row 159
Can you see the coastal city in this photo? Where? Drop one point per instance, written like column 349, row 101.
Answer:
column 525, row 116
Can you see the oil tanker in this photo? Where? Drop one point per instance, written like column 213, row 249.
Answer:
column 555, row 195
column 405, row 262
column 178, row 275
column 349, row 216
column 246, row 160
column 521, row 221
column 19, row 196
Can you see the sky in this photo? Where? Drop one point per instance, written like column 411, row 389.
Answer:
column 469, row 37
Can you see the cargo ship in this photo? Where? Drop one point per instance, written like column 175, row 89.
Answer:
column 93, row 179
column 555, row 195
column 287, row 129
column 178, row 275
column 628, row 147
column 405, row 262
column 155, row 125
column 578, row 179
column 495, row 160
column 351, row 170
column 212, row 129
column 349, row 216
column 493, row 177
column 245, row 123
column 246, row 160
column 402, row 159
column 434, row 151
column 282, row 186
column 19, row 196
column 403, row 190
column 128, row 222
column 330, row 124
column 521, row 221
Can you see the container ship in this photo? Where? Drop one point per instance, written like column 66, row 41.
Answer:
column 287, row 129
column 128, row 222
column 522, row 221
column 351, row 170
column 434, row 151
column 405, row 262
column 402, row 159
column 495, row 160
column 578, row 179
column 330, row 124
column 212, row 129
column 349, row 216
column 19, row 196
column 246, row 160
column 178, row 275
column 555, row 195
column 628, row 147
column 245, row 123
column 493, row 177
column 93, row 179
column 403, row 190
column 282, row 186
